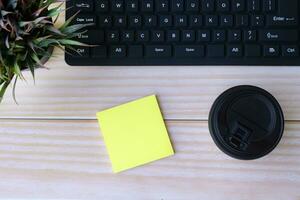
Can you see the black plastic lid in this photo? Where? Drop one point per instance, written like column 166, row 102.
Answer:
column 246, row 122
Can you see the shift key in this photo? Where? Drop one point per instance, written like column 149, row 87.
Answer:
column 162, row 51
column 278, row 35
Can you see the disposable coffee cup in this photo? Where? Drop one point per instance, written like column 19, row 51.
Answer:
column 246, row 122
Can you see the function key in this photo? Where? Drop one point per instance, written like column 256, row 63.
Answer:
column 135, row 51
column 147, row 6
column 102, row 5
column 117, row 5
column 252, row 50
column 163, row 51
column 235, row 50
column 132, row 6
column 238, row 5
column 223, row 5
column 177, row 5
column 253, row 5
column 81, row 52
column 192, row 5
column 84, row 5
column 91, row 37
column 269, row 5
column 162, row 5
column 271, row 51
column 99, row 52
column 290, row 51
column 215, row 50
column 85, row 19
column 207, row 5
column 118, row 51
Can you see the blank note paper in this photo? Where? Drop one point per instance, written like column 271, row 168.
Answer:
column 135, row 133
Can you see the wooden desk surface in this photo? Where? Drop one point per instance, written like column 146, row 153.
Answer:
column 50, row 145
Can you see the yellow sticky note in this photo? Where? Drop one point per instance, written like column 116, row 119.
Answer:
column 135, row 133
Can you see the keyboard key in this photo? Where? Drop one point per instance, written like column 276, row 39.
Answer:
column 282, row 21
column 290, row 51
column 157, row 36
column 250, row 35
column 269, row 5
column 105, row 21
column 142, row 36
column 189, row 51
column 257, row 20
column 84, row 5
column 253, row 50
column 120, row 21
column 180, row 20
column 165, row 21
column 219, row 36
column 223, row 5
column 177, row 5
column 91, row 37
column 147, row 6
column 132, row 6
column 211, row 20
column 234, row 36
column 135, row 51
column 271, row 50
column 203, row 36
column 196, row 21
column 117, row 5
column 208, row 5
column 127, row 36
column 112, row 36
column 254, row 5
column 238, row 5
column 278, row 35
column 173, row 36
column 99, row 52
column 118, row 51
column 135, row 21
column 150, row 20
column 85, row 19
column 192, row 5
column 162, row 5
column 235, row 50
column 215, row 50
column 102, row 6
column 242, row 20
column 188, row 36
column 163, row 51
column 226, row 21
column 81, row 52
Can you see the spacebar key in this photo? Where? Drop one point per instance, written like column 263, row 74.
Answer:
column 163, row 51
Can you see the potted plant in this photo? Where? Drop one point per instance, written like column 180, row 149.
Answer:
column 28, row 35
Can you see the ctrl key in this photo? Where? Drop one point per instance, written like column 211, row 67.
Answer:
column 81, row 52
column 290, row 51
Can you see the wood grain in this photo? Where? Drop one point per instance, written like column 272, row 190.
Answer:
column 68, row 159
column 65, row 92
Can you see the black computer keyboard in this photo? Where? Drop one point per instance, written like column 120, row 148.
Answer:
column 187, row 32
